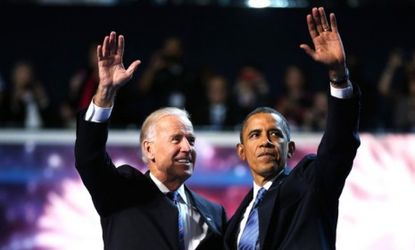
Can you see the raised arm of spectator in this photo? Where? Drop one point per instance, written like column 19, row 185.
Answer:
column 385, row 82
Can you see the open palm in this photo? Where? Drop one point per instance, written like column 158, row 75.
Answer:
column 328, row 47
column 112, row 73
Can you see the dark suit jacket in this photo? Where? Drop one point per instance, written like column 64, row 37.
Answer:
column 134, row 213
column 300, row 209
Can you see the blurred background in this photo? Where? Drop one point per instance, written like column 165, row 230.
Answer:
column 219, row 59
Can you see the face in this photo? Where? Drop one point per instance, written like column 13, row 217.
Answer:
column 265, row 146
column 294, row 78
column 22, row 74
column 171, row 152
column 217, row 90
column 173, row 48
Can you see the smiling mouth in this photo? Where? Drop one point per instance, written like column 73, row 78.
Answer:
column 184, row 161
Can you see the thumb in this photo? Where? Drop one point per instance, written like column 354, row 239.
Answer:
column 133, row 67
column 308, row 50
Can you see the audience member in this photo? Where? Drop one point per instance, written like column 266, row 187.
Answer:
column 315, row 117
column 295, row 100
column 166, row 80
column 27, row 103
column 219, row 111
column 251, row 90
column 82, row 87
column 389, row 88
column 405, row 103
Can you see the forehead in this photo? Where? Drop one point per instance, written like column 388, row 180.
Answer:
column 263, row 121
column 174, row 124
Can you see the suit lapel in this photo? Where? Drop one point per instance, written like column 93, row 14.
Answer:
column 267, row 207
column 232, row 229
column 200, row 205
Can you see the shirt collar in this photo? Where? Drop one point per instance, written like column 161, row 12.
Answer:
column 165, row 190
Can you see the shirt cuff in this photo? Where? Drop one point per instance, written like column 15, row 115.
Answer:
column 343, row 93
column 97, row 114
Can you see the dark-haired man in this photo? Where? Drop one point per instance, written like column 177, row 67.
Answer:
column 298, row 210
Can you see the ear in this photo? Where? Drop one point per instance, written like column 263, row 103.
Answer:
column 148, row 150
column 240, row 149
column 291, row 149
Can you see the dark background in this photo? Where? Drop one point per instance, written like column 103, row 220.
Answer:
column 56, row 38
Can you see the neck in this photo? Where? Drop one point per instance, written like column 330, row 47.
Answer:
column 172, row 183
column 261, row 180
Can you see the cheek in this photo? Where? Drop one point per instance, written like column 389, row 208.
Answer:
column 283, row 150
column 250, row 157
column 166, row 152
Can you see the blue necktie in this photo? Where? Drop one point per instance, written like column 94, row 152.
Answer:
column 249, row 238
column 174, row 196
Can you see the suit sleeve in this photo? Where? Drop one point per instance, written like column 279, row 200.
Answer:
column 95, row 167
column 339, row 144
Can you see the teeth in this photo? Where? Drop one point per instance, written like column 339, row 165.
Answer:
column 183, row 161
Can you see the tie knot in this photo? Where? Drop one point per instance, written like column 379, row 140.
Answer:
column 174, row 196
column 259, row 197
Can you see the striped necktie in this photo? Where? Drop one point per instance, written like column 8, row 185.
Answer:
column 249, row 238
column 174, row 196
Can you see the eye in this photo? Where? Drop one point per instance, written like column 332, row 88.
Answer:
column 191, row 140
column 276, row 133
column 253, row 135
column 176, row 139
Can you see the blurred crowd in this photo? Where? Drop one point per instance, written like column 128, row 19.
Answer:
column 214, row 101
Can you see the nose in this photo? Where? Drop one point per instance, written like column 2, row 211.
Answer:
column 266, row 141
column 185, row 145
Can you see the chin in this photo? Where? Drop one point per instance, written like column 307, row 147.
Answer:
column 269, row 169
column 188, row 173
column 185, row 172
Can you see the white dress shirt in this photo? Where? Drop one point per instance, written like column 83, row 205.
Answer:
column 195, row 227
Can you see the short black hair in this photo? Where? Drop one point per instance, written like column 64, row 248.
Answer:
column 267, row 110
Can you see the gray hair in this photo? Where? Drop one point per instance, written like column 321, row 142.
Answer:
column 148, row 128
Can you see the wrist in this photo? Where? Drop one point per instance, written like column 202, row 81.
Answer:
column 339, row 76
column 104, row 97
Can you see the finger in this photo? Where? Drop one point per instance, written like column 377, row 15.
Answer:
column 99, row 52
column 323, row 19
column 317, row 19
column 105, row 51
column 112, row 43
column 311, row 27
column 308, row 50
column 133, row 67
column 333, row 23
column 120, row 48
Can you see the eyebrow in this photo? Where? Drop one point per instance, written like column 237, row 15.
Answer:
column 189, row 136
column 276, row 130
column 279, row 130
column 257, row 130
